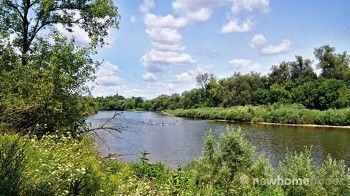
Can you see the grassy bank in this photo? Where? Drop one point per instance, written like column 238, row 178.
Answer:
column 65, row 166
column 290, row 114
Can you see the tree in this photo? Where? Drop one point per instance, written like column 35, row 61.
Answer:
column 280, row 74
column 215, row 93
column 204, row 79
column 301, row 68
column 42, row 74
column 239, row 88
column 45, row 96
column 26, row 19
column 334, row 65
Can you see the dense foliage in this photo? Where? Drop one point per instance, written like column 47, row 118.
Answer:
column 285, row 114
column 43, row 75
column 65, row 166
column 293, row 82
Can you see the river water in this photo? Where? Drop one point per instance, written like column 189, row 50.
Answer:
column 176, row 141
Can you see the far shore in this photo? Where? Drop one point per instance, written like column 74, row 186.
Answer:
column 287, row 125
column 270, row 124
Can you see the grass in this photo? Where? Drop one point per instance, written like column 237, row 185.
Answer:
column 284, row 114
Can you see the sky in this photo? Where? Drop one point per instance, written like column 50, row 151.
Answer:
column 162, row 45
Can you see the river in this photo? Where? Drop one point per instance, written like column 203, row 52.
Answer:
column 176, row 141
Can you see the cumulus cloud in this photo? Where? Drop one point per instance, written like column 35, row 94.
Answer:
column 184, row 77
column 258, row 40
column 283, row 47
column 159, row 58
column 106, row 74
column 245, row 65
column 199, row 15
column 249, row 5
column 149, row 77
column 235, row 25
column 146, row 6
column 168, row 21
column 81, row 37
column 196, row 10
column 181, row 5
column 78, row 34
column 168, row 47
column 239, row 6
column 163, row 33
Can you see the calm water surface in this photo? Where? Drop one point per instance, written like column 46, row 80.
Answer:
column 176, row 141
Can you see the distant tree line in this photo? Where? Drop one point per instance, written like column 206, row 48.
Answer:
column 289, row 82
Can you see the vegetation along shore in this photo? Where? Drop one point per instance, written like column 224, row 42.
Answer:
column 292, row 93
column 279, row 114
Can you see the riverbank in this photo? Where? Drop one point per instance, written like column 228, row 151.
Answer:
column 292, row 115
column 57, row 165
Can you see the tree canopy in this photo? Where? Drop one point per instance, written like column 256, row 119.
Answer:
column 23, row 21
column 44, row 75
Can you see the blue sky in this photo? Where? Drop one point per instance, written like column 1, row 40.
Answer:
column 162, row 45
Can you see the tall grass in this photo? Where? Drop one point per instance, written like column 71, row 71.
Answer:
column 285, row 114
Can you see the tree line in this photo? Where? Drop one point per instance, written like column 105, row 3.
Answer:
column 290, row 82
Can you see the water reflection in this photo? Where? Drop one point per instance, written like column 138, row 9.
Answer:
column 176, row 141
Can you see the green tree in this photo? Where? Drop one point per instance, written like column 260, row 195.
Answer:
column 45, row 95
column 239, row 88
column 334, row 65
column 280, row 74
column 301, row 68
column 42, row 74
column 204, row 79
column 26, row 19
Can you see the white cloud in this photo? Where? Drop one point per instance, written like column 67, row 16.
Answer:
column 164, row 35
column 196, row 10
column 78, row 34
column 160, row 58
column 168, row 21
column 249, row 5
column 146, row 6
column 184, row 77
column 168, row 47
column 245, row 65
column 133, row 19
column 235, row 25
column 106, row 74
column 199, row 15
column 81, row 37
column 149, row 77
column 258, row 40
column 180, row 5
column 283, row 47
